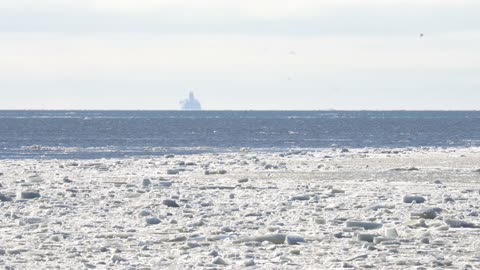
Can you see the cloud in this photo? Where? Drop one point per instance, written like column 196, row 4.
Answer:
column 280, row 7
column 268, row 9
column 266, row 17
column 45, row 5
column 143, row 57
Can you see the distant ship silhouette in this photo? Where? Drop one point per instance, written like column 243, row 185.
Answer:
column 190, row 104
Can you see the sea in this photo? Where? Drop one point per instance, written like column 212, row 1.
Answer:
column 120, row 134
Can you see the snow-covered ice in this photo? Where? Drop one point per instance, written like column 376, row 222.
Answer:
column 361, row 208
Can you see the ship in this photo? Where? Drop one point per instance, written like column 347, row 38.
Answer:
column 191, row 103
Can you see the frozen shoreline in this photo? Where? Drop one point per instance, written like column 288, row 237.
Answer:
column 104, row 213
column 38, row 152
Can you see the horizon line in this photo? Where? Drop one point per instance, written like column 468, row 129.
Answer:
column 254, row 110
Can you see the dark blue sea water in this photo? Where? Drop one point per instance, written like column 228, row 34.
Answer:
column 108, row 134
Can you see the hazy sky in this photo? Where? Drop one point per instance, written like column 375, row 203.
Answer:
column 249, row 54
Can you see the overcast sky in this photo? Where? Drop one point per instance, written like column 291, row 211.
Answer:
column 249, row 54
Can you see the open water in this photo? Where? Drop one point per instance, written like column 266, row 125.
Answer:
column 115, row 134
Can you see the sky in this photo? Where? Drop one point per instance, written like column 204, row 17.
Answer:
column 240, row 55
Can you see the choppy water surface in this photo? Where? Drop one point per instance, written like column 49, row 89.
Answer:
column 106, row 134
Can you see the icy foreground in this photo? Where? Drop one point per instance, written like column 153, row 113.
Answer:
column 397, row 209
